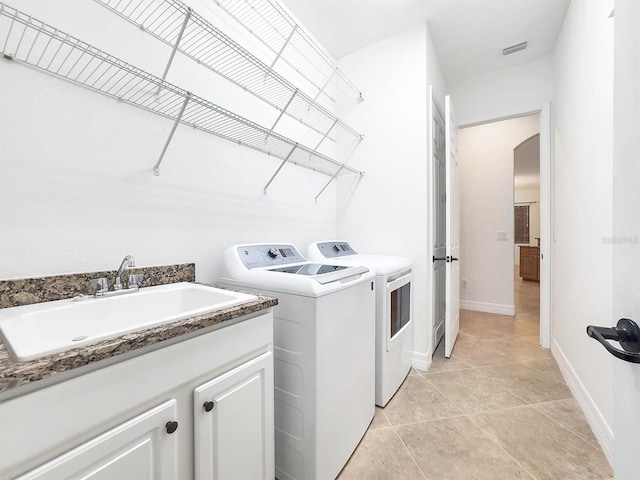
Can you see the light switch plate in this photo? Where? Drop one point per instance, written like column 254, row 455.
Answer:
column 502, row 236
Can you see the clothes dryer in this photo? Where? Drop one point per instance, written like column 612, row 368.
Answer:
column 393, row 316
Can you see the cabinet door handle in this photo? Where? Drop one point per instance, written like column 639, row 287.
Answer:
column 171, row 427
column 208, row 406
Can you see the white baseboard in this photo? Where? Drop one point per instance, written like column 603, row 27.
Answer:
column 488, row 307
column 421, row 361
column 600, row 428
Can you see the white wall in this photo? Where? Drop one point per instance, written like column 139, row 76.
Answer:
column 582, row 277
column 486, row 208
column 386, row 211
column 77, row 191
column 503, row 90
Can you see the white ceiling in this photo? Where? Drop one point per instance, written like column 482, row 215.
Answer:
column 468, row 35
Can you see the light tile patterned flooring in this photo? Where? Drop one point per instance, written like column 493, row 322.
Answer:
column 497, row 409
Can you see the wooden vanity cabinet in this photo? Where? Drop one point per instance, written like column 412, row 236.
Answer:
column 530, row 263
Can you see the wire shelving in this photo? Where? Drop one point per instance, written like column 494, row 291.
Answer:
column 24, row 39
column 180, row 27
column 275, row 28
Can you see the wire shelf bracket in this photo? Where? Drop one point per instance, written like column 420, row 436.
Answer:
column 30, row 42
column 285, row 109
column 275, row 174
column 156, row 167
column 326, row 185
column 284, row 45
column 180, row 27
column 187, row 16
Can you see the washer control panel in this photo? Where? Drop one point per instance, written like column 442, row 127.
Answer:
column 256, row 256
column 335, row 249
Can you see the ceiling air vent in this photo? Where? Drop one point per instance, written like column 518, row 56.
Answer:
column 514, row 48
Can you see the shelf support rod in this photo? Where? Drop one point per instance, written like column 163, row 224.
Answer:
column 293, row 30
column 175, row 47
column 328, row 183
column 279, row 168
column 327, row 134
column 156, row 168
column 326, row 83
column 295, row 92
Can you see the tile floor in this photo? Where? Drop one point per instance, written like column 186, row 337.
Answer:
column 497, row 409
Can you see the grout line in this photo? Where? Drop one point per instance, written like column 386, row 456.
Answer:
column 525, row 402
column 564, row 426
column 498, row 444
column 428, row 421
column 460, row 414
column 445, row 397
column 508, row 390
column 385, row 416
column 410, row 454
column 450, row 370
column 503, row 364
column 460, row 409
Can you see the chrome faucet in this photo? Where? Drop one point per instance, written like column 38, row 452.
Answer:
column 127, row 262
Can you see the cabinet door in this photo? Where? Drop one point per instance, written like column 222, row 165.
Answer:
column 138, row 449
column 233, row 423
column 530, row 263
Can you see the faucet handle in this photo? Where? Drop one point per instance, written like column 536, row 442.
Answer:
column 100, row 285
column 135, row 280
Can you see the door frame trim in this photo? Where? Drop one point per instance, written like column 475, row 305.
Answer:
column 546, row 193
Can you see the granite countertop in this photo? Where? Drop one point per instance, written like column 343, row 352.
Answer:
column 15, row 374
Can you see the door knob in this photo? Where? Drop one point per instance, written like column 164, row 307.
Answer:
column 626, row 332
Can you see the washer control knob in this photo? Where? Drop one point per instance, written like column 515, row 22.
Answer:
column 336, row 248
column 273, row 253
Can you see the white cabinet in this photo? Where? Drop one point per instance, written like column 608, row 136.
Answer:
column 141, row 448
column 111, row 423
column 233, row 420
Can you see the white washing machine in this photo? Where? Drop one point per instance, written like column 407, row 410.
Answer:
column 324, row 354
column 393, row 317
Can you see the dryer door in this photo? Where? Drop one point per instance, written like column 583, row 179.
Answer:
column 398, row 307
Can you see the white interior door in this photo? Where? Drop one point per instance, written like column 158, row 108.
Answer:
column 438, row 219
column 452, row 315
column 626, row 228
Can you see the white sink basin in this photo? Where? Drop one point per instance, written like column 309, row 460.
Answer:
column 33, row 331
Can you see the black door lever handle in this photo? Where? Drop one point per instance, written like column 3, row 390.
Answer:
column 452, row 259
column 439, row 259
column 626, row 332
